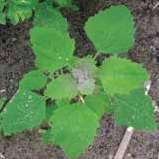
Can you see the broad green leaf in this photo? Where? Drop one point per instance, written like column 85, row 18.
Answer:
column 2, row 101
column 47, row 16
column 2, row 4
column 63, row 87
column 51, row 26
column 120, row 76
column 2, row 18
column 99, row 103
column 2, row 13
column 51, row 108
column 135, row 110
column 112, row 30
column 49, row 111
column 72, row 130
column 0, row 122
column 19, row 10
column 53, row 48
column 47, row 136
column 25, row 111
column 33, row 80
column 64, row 2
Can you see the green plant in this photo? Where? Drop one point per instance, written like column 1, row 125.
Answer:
column 79, row 92
column 2, row 14
column 114, row 34
column 65, row 3
column 16, row 10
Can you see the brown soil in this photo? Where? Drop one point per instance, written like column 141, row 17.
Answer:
column 16, row 58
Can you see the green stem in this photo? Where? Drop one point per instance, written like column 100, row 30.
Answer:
column 96, row 55
column 81, row 99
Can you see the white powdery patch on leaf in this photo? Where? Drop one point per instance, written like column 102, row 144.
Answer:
column 85, row 83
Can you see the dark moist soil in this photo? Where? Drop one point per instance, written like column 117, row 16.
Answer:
column 17, row 58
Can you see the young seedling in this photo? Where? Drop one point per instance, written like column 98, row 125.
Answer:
column 16, row 10
column 82, row 92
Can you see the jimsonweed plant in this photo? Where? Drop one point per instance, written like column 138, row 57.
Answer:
column 71, row 94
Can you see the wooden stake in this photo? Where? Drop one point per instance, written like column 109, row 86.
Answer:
column 156, row 5
column 124, row 143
